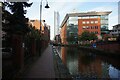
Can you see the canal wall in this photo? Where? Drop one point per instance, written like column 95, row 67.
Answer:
column 61, row 70
column 109, row 47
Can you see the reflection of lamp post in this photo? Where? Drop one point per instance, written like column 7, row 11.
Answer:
column 41, row 12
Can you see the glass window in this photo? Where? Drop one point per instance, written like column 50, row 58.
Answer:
column 91, row 27
column 84, row 27
column 87, row 22
column 73, row 20
column 104, row 27
column 104, row 21
column 96, row 21
column 96, row 27
column 92, row 22
column 104, row 17
column 83, row 22
column 87, row 27
column 96, row 32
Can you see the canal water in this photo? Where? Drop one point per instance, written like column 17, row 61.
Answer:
column 85, row 64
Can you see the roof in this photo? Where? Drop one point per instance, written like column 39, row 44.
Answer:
column 93, row 13
column 116, row 25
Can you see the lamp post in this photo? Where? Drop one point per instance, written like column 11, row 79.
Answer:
column 41, row 11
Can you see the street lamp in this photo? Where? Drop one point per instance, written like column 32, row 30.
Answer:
column 41, row 11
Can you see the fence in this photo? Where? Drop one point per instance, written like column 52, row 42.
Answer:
column 21, row 50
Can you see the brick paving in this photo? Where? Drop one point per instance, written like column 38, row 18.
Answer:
column 43, row 67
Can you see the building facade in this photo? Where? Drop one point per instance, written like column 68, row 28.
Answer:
column 45, row 30
column 116, row 30
column 76, row 23
column 36, row 24
column 56, row 23
column 119, row 12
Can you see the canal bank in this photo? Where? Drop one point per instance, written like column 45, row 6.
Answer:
column 100, row 51
column 61, row 70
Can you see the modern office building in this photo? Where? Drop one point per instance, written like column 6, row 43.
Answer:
column 119, row 12
column 116, row 30
column 56, row 23
column 76, row 23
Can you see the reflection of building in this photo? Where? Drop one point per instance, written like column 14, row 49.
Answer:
column 116, row 30
column 56, row 23
column 63, row 55
column 70, row 59
column 63, row 34
column 76, row 23
column 90, row 67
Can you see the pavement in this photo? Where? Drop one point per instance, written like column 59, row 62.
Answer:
column 43, row 67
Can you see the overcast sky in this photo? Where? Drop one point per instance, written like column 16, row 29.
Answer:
column 67, row 6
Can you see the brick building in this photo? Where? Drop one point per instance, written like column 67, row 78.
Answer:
column 45, row 30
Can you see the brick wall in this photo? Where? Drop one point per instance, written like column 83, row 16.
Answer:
column 80, row 25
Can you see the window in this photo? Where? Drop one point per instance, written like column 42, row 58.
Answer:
column 96, row 32
column 87, row 27
column 84, row 27
column 96, row 27
column 87, row 22
column 92, row 22
column 96, row 21
column 104, row 21
column 83, row 22
column 91, row 27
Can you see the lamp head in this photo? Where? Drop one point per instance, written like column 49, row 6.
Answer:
column 47, row 6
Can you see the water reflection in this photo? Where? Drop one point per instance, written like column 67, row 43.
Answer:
column 88, row 65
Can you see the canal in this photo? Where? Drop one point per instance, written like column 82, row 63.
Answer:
column 85, row 64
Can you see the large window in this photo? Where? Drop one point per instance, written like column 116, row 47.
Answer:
column 88, row 22
column 104, row 27
column 83, row 22
column 104, row 22
column 72, row 26
column 104, row 17
column 92, row 22
column 73, row 20
column 96, row 21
